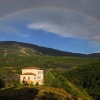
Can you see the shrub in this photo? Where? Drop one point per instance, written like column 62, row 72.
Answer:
column 2, row 84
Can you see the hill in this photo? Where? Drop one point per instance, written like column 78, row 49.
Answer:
column 39, row 93
column 63, row 67
column 20, row 48
column 88, row 77
column 30, row 49
column 19, row 55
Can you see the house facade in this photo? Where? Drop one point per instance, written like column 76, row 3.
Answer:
column 32, row 76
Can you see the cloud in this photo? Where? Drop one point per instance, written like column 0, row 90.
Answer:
column 11, row 30
column 67, row 24
column 62, row 22
column 76, row 31
column 97, row 51
column 48, row 27
column 89, row 7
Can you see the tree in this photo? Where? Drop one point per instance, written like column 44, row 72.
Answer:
column 49, row 79
column 2, row 84
column 57, row 83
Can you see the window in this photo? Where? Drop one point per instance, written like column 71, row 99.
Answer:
column 28, row 78
column 41, row 72
column 42, row 80
column 34, row 78
column 24, row 78
column 39, row 77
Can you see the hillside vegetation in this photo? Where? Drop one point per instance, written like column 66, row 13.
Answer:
column 68, row 76
column 88, row 77
column 38, row 93
column 29, row 49
column 15, row 54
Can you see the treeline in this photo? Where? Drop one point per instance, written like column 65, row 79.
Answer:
column 9, row 77
column 88, row 77
column 73, row 81
column 57, row 80
column 51, row 79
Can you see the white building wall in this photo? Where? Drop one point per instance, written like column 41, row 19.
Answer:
column 31, row 78
column 29, row 71
column 38, row 76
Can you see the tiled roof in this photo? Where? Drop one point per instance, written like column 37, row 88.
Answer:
column 29, row 74
column 32, row 68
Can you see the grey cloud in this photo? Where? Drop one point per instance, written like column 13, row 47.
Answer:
column 88, row 7
column 66, row 18
column 61, row 22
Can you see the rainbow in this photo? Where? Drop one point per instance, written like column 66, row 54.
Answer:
column 41, row 9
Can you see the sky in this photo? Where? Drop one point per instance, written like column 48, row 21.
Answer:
column 67, row 25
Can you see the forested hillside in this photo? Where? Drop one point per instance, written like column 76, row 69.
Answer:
column 20, row 48
column 88, row 77
column 78, row 76
column 15, row 54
